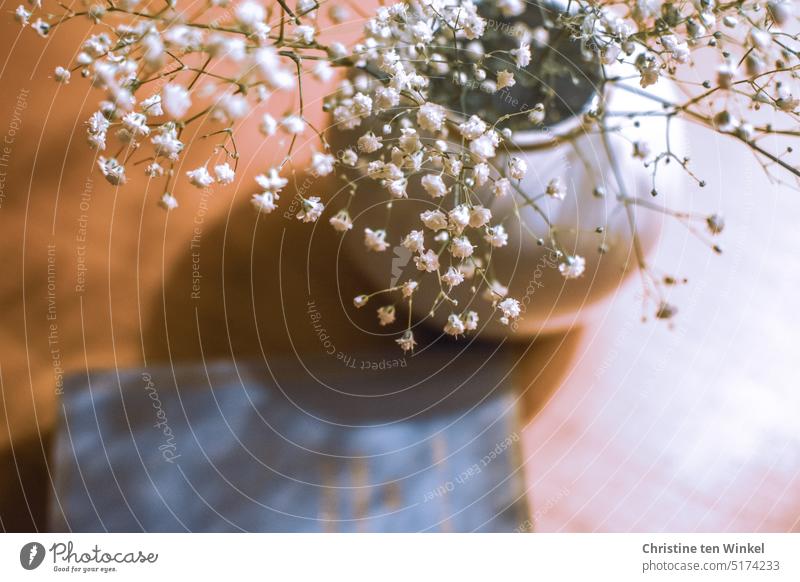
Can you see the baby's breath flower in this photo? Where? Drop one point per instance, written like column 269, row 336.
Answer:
column 62, row 75
column 452, row 277
column 478, row 216
column 495, row 291
column 434, row 185
column 112, row 170
column 556, row 189
column 572, row 267
column 136, row 124
column 22, row 15
column 480, row 174
column 264, row 202
column 454, row 325
column 511, row 310
column 473, row 128
column 175, row 100
column 458, row 218
column 154, row 170
column 522, row 55
column 517, row 167
column 322, row 164
column 461, row 248
column 41, row 27
column 311, row 210
column 375, row 240
column 369, row 143
column 427, row 261
column 407, row 342
column 200, row 177
column 501, row 187
column 434, row 219
column 409, row 287
column 414, row 241
column 430, row 116
column 168, row 201
column 224, row 173
column 341, row 221
column 505, row 79
column 496, row 236
column 293, row 124
column 271, row 181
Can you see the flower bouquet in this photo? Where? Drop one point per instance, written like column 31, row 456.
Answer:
column 472, row 139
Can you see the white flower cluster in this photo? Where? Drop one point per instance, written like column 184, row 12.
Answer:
column 425, row 103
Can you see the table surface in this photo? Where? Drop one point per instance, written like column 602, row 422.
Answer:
column 631, row 426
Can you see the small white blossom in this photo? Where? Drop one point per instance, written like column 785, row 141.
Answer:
column 268, row 125
column 41, row 27
column 369, row 143
column 293, row 124
column 264, row 202
column 271, row 181
column 112, row 170
column 452, row 277
column 573, row 267
column 341, row 221
column 427, row 261
column 431, row 116
column 454, row 325
column 408, row 288
column 224, row 173
column 386, row 315
column 311, row 210
column 496, row 236
column 375, row 240
column 461, row 248
column 304, row 34
column 480, row 173
column 200, row 177
column 470, row 321
column 473, row 128
column 322, row 164
column 407, row 341
column 485, row 146
column 501, row 187
column 505, row 79
column 349, row 158
column 22, row 15
column 434, row 185
column 479, row 215
column 248, row 14
column 152, row 105
column 154, row 170
column 414, row 241
column 522, row 55
column 555, row 189
column 510, row 308
column 175, row 100
column 168, row 201
column 136, row 124
column 434, row 219
column 360, row 300
column 517, row 168
column 458, row 218
column 62, row 75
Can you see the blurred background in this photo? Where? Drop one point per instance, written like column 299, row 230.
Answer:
column 626, row 426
